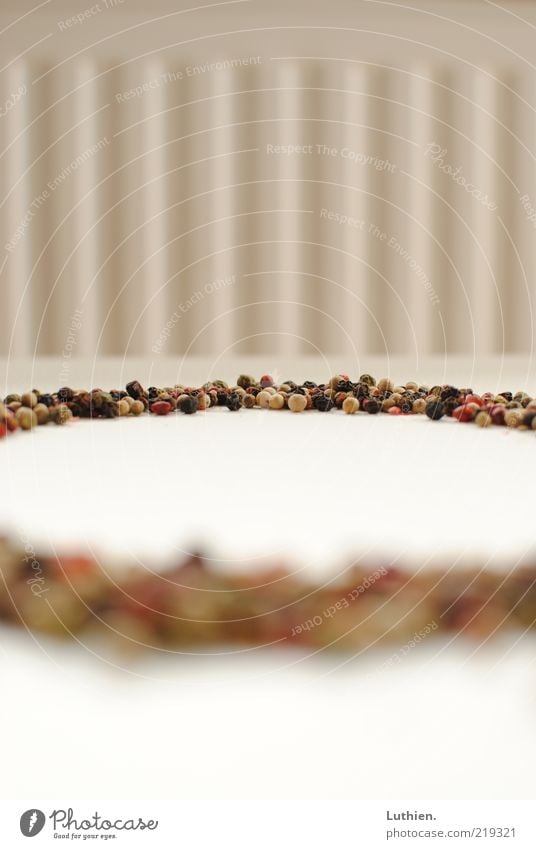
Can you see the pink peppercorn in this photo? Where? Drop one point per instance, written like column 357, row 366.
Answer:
column 394, row 411
column 474, row 399
column 266, row 380
column 465, row 412
column 161, row 408
column 3, row 431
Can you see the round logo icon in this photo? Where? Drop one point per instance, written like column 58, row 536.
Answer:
column 32, row 822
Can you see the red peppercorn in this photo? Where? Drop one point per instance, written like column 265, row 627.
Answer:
column 266, row 380
column 3, row 431
column 161, row 408
column 474, row 399
column 497, row 413
column 394, row 411
column 465, row 412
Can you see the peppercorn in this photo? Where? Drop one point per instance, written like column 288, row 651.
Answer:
column 450, row 405
column 465, row 412
column 188, row 404
column 161, row 408
column 234, row 402
column 137, row 408
column 9, row 399
column 371, row 406
column 483, row 419
column 394, row 411
column 367, row 379
column 385, row 384
column 412, row 386
column 65, row 394
column 28, row 399
column 263, row 399
column 512, row 418
column 449, row 392
column 248, row 401
column 60, row 414
column 309, row 384
column 386, row 404
column 350, row 405
column 135, row 390
column 123, row 407
column 419, row 406
column 297, row 403
column 435, row 410
column 221, row 396
column 497, row 413
column 406, row 407
column 203, row 401
column 266, row 380
column 322, row 402
column 41, row 411
column 26, row 418
column 245, row 381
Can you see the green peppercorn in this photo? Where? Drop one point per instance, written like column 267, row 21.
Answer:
column 28, row 399
column 41, row 411
column 123, row 407
column 26, row 418
column 10, row 399
column 137, row 408
column 60, row 414
column 435, row 410
column 368, row 379
column 482, row 419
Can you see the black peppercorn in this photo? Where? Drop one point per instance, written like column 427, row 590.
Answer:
column 65, row 394
column 450, row 405
column 222, row 398
column 449, row 392
column 47, row 400
column 309, row 384
column 188, row 404
column 435, row 410
column 135, row 390
column 322, row 403
column 233, row 402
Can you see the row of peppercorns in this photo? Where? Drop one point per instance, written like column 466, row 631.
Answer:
column 36, row 408
column 193, row 603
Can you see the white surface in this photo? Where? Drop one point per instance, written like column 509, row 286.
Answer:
column 441, row 724
column 314, row 488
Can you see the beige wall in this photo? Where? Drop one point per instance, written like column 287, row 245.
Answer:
column 168, row 220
